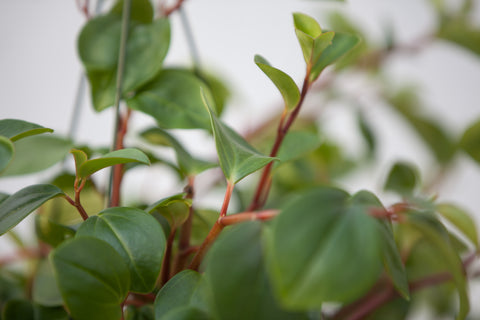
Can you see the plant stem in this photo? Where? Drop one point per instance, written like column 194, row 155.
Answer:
column 118, row 93
column 263, row 188
column 165, row 272
column 76, row 203
column 168, row 11
column 248, row 216
column 214, row 231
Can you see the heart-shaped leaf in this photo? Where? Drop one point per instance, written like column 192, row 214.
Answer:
column 331, row 230
column 85, row 168
column 188, row 164
column 20, row 204
column 98, row 46
column 284, row 83
column 6, row 152
column 174, row 208
column 136, row 236
column 173, row 98
column 92, row 277
column 17, row 129
column 237, row 158
column 460, row 219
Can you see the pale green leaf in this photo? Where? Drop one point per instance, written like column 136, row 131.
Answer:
column 460, row 219
column 174, row 208
column 306, row 24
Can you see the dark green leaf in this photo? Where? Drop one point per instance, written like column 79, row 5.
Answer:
column 236, row 275
column 331, row 230
column 52, row 232
column 460, row 219
column 136, row 236
column 175, row 209
column 470, row 142
column 402, row 179
column 128, row 155
column 140, row 11
column 6, row 152
column 18, row 309
column 143, row 313
column 17, row 129
column 37, row 153
column 20, row 204
column 186, row 289
column 50, row 313
column 98, row 46
column 45, row 291
column 92, row 277
column 174, row 100
column 237, row 158
column 186, row 313
column 284, row 83
column 342, row 43
column 188, row 164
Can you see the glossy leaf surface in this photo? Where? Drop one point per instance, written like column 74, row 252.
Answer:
column 17, row 129
column 47, row 150
column 284, row 83
column 236, row 274
column 98, row 46
column 237, row 158
column 85, row 168
column 20, row 204
column 92, row 277
column 175, row 209
column 136, row 236
column 188, row 164
column 331, row 230
column 173, row 98
column 186, row 289
column 460, row 219
column 6, row 152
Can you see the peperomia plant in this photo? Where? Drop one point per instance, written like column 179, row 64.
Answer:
column 294, row 246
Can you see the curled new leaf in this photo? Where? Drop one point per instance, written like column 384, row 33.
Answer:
column 284, row 83
column 175, row 209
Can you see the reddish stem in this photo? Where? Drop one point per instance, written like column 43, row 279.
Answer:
column 248, row 216
column 168, row 11
column 165, row 272
column 83, row 8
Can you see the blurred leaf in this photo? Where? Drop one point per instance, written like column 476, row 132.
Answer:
column 98, row 46
column 235, row 271
column 92, row 277
column 17, row 129
column 237, row 158
column 461, row 32
column 470, row 141
column 306, row 24
column 188, row 164
column 44, row 290
column 20, row 204
column 367, row 134
column 460, row 219
column 174, row 100
column 220, row 92
column 136, row 236
column 203, row 221
column 297, row 144
column 402, row 179
column 37, row 153
column 18, row 309
column 185, row 289
column 51, row 232
column 331, row 230
column 142, row 313
column 284, row 83
column 435, row 233
column 88, row 167
column 140, row 11
column 6, row 152
column 50, row 313
column 174, row 208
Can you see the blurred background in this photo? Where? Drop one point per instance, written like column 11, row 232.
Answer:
column 40, row 72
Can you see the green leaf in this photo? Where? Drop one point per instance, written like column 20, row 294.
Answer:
column 173, row 98
column 185, row 289
column 140, row 11
column 235, row 272
column 402, row 179
column 284, row 83
column 50, row 313
column 17, row 129
column 188, row 164
column 143, row 313
column 20, row 204
column 174, row 208
column 6, row 152
column 297, row 144
column 127, row 155
column 45, row 290
column 18, row 309
column 367, row 133
column 219, row 89
column 92, row 277
column 462, row 33
column 98, row 47
column 186, row 313
column 37, row 153
column 237, row 158
column 342, row 43
column 136, row 236
column 52, row 232
column 331, row 230
column 470, row 141
column 460, row 219
column 306, row 24
column 435, row 233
